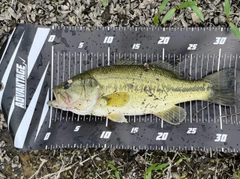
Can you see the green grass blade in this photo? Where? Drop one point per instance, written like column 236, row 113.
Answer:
column 198, row 12
column 117, row 175
column 149, row 175
column 227, row 8
column 238, row 174
column 161, row 167
column 112, row 166
column 148, row 172
column 156, row 20
column 187, row 4
column 162, row 6
column 154, row 167
column 235, row 30
column 105, row 2
column 178, row 162
column 168, row 15
column 151, row 168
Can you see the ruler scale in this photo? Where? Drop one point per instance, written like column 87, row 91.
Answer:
column 196, row 52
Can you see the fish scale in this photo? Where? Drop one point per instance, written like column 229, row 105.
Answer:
column 196, row 52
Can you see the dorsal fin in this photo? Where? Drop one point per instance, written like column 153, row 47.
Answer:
column 177, row 70
column 159, row 64
column 162, row 64
column 123, row 61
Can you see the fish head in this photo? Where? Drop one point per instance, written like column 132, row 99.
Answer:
column 76, row 94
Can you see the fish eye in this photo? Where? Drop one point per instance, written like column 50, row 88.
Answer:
column 66, row 85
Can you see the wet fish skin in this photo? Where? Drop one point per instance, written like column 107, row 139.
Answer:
column 76, row 94
column 115, row 91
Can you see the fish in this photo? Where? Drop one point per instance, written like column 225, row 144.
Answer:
column 127, row 89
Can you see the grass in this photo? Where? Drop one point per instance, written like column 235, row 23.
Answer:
column 198, row 12
column 116, row 172
column 3, row 7
column 105, row 2
column 170, row 13
column 154, row 167
column 233, row 27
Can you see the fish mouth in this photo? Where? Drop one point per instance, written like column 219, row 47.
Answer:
column 64, row 97
column 61, row 100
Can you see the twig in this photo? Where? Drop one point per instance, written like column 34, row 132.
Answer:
column 170, row 161
column 200, row 110
column 64, row 169
column 75, row 173
column 36, row 173
column 107, row 171
column 57, row 174
column 215, row 174
column 185, row 162
column 235, row 114
column 94, row 164
column 92, row 160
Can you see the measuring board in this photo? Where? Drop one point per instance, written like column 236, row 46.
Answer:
column 37, row 58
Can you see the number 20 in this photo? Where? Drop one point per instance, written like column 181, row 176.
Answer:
column 162, row 136
column 164, row 40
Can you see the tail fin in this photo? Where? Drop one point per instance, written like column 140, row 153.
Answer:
column 223, row 87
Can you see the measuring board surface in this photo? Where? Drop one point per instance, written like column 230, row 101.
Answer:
column 38, row 58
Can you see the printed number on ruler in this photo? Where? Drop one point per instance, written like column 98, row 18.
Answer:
column 136, row 46
column 105, row 134
column 192, row 46
column 191, row 130
column 77, row 128
column 47, row 136
column 51, row 38
column 221, row 138
column 162, row 136
column 108, row 39
column 80, row 45
column 220, row 40
column 163, row 40
column 134, row 130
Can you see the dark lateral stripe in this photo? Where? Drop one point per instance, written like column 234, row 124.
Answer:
column 188, row 89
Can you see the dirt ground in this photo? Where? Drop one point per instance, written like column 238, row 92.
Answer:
column 110, row 163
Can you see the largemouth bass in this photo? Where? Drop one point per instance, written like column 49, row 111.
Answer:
column 119, row 90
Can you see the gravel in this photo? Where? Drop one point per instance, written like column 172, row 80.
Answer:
column 94, row 163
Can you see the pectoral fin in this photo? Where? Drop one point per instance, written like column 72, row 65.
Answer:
column 174, row 115
column 117, row 118
column 119, row 99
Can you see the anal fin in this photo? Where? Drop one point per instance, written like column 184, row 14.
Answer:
column 174, row 115
column 117, row 118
